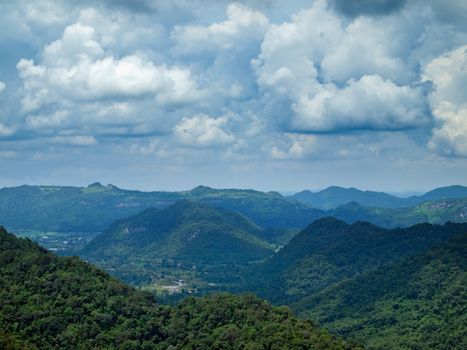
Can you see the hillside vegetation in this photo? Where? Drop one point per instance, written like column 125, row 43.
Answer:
column 417, row 303
column 55, row 302
column 329, row 251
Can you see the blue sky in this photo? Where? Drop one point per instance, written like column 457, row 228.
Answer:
column 272, row 95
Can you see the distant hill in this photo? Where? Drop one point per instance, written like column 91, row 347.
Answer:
column 186, row 231
column 419, row 302
column 329, row 250
column 96, row 207
column 50, row 302
column 335, row 196
column 434, row 212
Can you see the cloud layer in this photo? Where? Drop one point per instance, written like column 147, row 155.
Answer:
column 187, row 82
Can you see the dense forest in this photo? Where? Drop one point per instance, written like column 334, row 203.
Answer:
column 417, row 303
column 329, row 251
column 62, row 302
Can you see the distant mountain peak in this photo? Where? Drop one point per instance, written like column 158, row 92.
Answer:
column 95, row 185
column 201, row 189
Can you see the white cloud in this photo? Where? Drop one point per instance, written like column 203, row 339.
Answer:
column 448, row 102
column 2, row 86
column 75, row 140
column 202, row 131
column 335, row 75
column 368, row 103
column 242, row 25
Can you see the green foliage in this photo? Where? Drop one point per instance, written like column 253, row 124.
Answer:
column 226, row 322
column 50, row 302
column 416, row 303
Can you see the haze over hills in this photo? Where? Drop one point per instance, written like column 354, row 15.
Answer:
column 56, row 302
column 335, row 196
column 418, row 302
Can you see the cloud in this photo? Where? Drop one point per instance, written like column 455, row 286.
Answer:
column 242, row 25
column 448, row 102
column 202, row 131
column 6, row 131
column 244, row 85
column 342, row 76
column 2, row 86
column 76, row 140
column 81, row 84
column 354, row 8
column 369, row 103
column 76, row 68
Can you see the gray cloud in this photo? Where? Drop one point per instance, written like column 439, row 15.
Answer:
column 353, row 8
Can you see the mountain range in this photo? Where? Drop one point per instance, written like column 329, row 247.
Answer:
column 95, row 207
column 387, row 287
column 334, row 196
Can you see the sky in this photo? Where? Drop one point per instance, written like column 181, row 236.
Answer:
column 265, row 94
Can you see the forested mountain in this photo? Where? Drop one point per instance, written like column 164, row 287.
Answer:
column 96, row 207
column 334, row 196
column 56, row 302
column 186, row 231
column 329, row 251
column 435, row 212
column 416, row 303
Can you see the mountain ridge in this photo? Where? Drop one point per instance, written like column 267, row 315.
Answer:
column 333, row 196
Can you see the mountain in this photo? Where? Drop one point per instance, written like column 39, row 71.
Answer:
column 419, row 302
column 434, row 212
column 50, row 302
column 449, row 192
column 95, row 207
column 329, row 251
column 334, row 196
column 186, row 231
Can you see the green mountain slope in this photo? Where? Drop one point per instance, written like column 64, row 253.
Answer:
column 330, row 250
column 50, row 302
column 418, row 303
column 96, row 207
column 434, row 212
column 186, row 232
